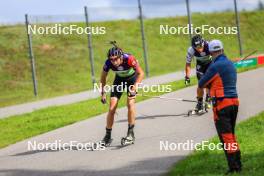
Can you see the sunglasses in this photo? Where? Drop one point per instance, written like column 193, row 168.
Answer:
column 199, row 47
column 114, row 59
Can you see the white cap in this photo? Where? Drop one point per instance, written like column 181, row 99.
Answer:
column 215, row 45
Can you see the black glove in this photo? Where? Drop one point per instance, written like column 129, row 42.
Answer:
column 187, row 81
column 103, row 98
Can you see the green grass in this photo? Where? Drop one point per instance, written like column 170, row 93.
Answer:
column 244, row 69
column 250, row 135
column 62, row 62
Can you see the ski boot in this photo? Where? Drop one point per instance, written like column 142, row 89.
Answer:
column 130, row 138
column 233, row 171
column 199, row 108
column 107, row 140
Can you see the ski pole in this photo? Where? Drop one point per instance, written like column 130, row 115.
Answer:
column 253, row 52
column 166, row 98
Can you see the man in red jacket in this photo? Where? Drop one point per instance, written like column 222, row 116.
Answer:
column 221, row 78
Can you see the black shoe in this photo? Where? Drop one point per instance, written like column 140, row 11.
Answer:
column 233, row 171
column 199, row 106
column 130, row 135
column 130, row 132
column 107, row 140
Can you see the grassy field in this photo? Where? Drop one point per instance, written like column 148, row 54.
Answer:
column 250, row 134
column 62, row 62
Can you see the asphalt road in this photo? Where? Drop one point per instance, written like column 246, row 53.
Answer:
column 157, row 121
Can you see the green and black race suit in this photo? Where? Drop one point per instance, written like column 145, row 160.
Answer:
column 203, row 59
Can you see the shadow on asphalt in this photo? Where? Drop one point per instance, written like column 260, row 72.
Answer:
column 31, row 152
column 138, row 168
column 144, row 117
column 153, row 167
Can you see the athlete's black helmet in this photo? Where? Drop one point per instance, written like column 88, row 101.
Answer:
column 197, row 41
column 115, row 51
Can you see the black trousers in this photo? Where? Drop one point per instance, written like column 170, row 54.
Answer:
column 225, row 125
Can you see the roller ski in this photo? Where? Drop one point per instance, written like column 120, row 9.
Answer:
column 130, row 138
column 107, row 140
column 200, row 109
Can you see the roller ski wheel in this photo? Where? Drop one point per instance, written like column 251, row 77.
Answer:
column 195, row 112
column 127, row 140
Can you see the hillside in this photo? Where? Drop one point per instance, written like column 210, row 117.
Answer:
column 62, row 62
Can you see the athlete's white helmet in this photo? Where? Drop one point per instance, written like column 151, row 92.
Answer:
column 215, row 45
